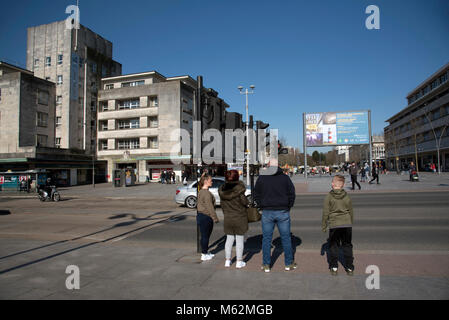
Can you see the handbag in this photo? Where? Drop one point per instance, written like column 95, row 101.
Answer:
column 253, row 214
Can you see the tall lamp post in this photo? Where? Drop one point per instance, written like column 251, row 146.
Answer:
column 248, row 151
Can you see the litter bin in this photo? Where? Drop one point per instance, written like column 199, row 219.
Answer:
column 118, row 178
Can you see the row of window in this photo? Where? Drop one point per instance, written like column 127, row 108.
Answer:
column 422, row 120
column 420, row 138
column 433, row 85
column 129, row 104
column 133, row 123
column 126, row 84
column 128, row 144
column 48, row 61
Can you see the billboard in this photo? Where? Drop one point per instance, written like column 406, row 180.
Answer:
column 336, row 128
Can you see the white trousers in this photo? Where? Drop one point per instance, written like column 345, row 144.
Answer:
column 239, row 246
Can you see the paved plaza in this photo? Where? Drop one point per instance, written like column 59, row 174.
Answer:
column 136, row 243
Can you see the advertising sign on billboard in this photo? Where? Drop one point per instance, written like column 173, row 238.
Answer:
column 336, row 128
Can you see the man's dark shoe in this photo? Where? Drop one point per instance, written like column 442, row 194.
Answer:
column 333, row 271
column 349, row 272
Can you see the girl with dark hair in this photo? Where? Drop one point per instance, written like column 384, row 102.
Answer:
column 234, row 203
column 206, row 215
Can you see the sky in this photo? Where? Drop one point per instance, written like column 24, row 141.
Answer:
column 302, row 56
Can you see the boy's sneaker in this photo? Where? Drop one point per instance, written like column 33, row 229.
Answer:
column 290, row 267
column 227, row 263
column 266, row 268
column 349, row 272
column 240, row 264
column 334, row 271
column 206, row 256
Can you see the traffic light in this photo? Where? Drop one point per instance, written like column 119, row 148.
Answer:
column 262, row 139
column 282, row 150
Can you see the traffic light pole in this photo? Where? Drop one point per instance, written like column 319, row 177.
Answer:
column 197, row 117
column 304, row 138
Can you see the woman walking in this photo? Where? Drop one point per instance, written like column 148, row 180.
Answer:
column 206, row 215
column 234, row 203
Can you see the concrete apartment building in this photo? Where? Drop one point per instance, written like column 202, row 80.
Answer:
column 27, row 112
column 75, row 60
column 410, row 135
column 136, row 118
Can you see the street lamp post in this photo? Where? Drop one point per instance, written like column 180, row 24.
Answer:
column 248, row 151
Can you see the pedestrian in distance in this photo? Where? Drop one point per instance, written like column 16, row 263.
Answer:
column 354, row 171
column 367, row 170
column 338, row 217
column 163, row 177
column 206, row 216
column 174, row 177
column 275, row 195
column 375, row 173
column 362, row 175
column 234, row 203
column 412, row 170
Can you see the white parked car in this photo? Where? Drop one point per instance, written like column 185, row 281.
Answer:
column 187, row 195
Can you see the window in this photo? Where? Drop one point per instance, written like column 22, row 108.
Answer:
column 93, row 67
column 48, row 61
column 133, row 83
column 435, row 84
column 436, row 114
column 36, row 63
column 103, row 144
column 443, row 78
column 41, row 140
column 58, row 142
column 153, row 102
column 59, row 79
column 128, row 144
column 129, row 104
column 109, row 87
column 42, row 119
column 128, row 124
column 93, row 106
column 154, row 123
column 60, row 57
column 42, row 97
column 58, row 121
column 153, row 143
column 104, row 106
column 103, row 126
column 59, row 100
column 216, row 183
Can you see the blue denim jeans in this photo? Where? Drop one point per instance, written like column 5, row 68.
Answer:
column 281, row 218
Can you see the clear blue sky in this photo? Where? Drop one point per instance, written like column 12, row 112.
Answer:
column 302, row 56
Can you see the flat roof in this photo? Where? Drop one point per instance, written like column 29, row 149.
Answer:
column 429, row 79
column 132, row 75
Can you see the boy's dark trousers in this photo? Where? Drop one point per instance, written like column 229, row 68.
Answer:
column 341, row 237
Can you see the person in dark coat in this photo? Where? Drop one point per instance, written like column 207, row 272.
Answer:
column 375, row 173
column 234, row 203
column 275, row 195
column 353, row 171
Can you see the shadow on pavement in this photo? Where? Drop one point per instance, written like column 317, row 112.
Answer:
column 4, row 212
column 253, row 246
column 325, row 250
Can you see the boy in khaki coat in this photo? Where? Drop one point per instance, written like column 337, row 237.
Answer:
column 338, row 217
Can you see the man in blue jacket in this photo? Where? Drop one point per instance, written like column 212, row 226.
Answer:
column 275, row 195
